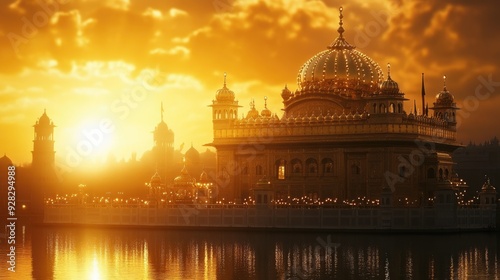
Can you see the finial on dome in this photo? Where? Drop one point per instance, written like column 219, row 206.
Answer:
column 388, row 70
column 341, row 29
column 225, row 75
column 161, row 111
column 444, row 82
column 265, row 102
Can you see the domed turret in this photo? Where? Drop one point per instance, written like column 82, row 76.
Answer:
column 44, row 119
column 389, row 86
column 340, row 68
column 224, row 94
column 445, row 98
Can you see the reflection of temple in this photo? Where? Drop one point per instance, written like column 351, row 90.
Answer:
column 344, row 134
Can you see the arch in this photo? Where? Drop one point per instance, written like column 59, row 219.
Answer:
column 374, row 108
column 400, row 108
column 280, row 168
column 382, row 108
column 431, row 173
column 312, row 166
column 327, row 166
column 440, row 174
column 446, row 173
column 244, row 170
column 296, row 166
column 392, row 108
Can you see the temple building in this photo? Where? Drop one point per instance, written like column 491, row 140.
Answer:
column 344, row 134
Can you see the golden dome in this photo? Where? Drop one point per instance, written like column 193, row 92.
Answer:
column 340, row 68
column 252, row 113
column 445, row 98
column 266, row 113
column 184, row 178
column 389, row 86
column 224, row 94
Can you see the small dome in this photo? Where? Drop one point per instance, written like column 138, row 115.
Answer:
column 192, row 154
column 163, row 133
column 156, row 179
column 204, row 177
column 389, row 86
column 252, row 113
column 224, row 94
column 487, row 187
column 44, row 119
column 5, row 161
column 286, row 93
column 184, row 178
column 445, row 98
column 266, row 113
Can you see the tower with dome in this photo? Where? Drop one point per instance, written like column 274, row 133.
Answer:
column 343, row 134
column 163, row 150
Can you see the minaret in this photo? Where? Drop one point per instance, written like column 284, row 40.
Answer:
column 224, row 107
column 163, row 149
column 43, row 178
column 43, row 143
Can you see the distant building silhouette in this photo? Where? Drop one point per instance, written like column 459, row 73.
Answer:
column 474, row 161
column 344, row 134
column 163, row 150
column 43, row 180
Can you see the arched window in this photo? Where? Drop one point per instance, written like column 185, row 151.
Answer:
column 392, row 108
column 296, row 166
column 280, row 169
column 440, row 174
column 382, row 108
column 244, row 170
column 446, row 173
column 327, row 166
column 312, row 166
column 400, row 110
column 374, row 108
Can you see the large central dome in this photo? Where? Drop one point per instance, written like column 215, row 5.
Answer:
column 340, row 68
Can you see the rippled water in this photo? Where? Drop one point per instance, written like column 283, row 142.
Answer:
column 96, row 253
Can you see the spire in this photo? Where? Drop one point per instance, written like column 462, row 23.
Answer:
column 225, row 76
column 341, row 23
column 444, row 83
column 161, row 111
column 415, row 107
column 340, row 43
column 388, row 71
column 265, row 102
column 424, row 110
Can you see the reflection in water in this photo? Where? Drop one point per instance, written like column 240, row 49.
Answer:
column 81, row 253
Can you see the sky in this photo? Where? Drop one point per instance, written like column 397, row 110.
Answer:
column 102, row 68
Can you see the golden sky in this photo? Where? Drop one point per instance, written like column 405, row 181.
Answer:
column 115, row 61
